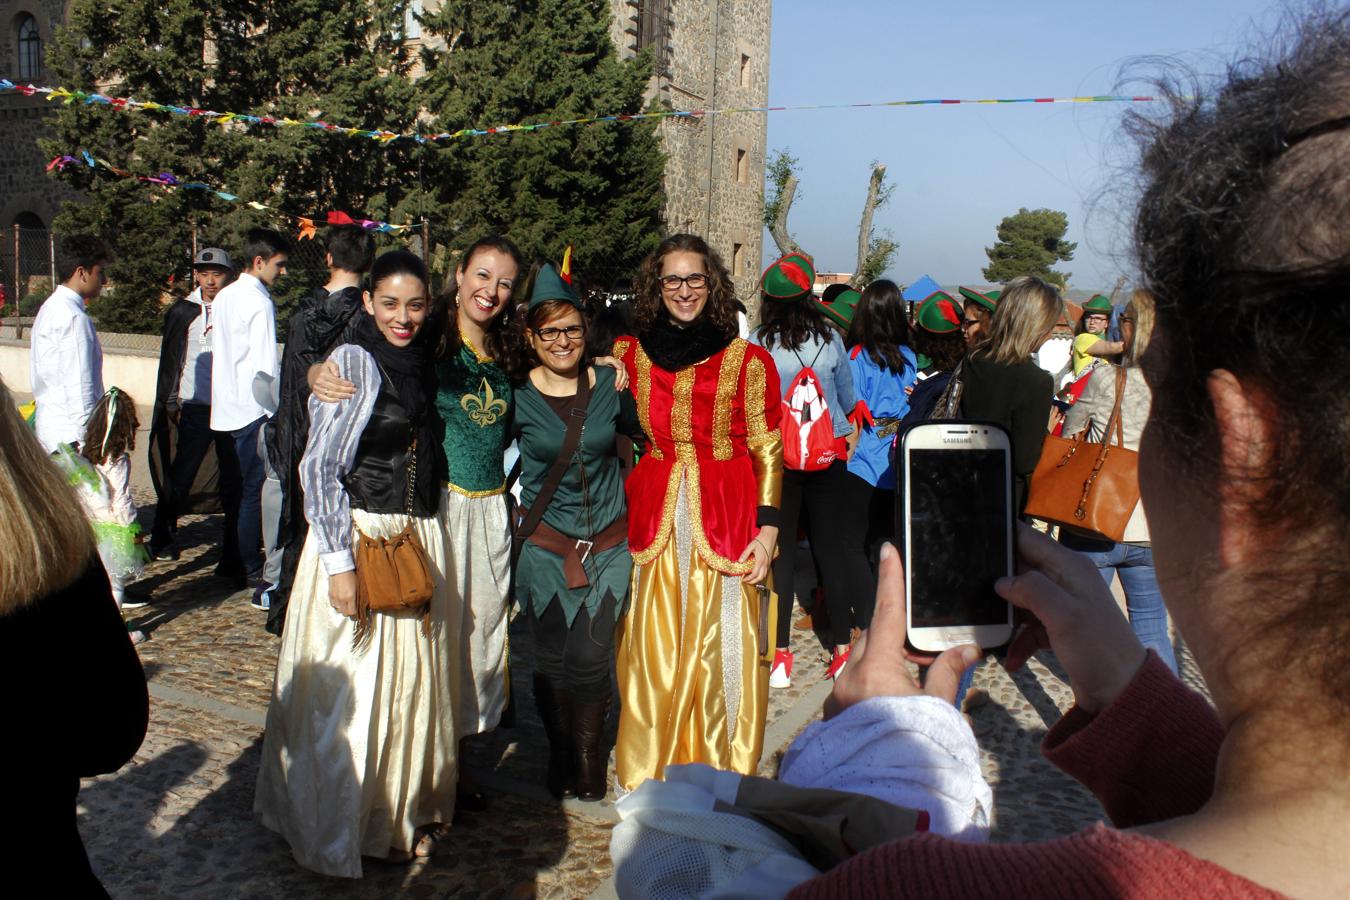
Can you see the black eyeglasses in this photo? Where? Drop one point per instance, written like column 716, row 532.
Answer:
column 697, row 281
column 969, row 323
column 573, row 332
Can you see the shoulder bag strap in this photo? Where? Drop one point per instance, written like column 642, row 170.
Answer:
column 1116, row 419
column 576, row 417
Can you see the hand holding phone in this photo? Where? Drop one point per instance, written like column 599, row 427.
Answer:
column 954, row 516
column 1073, row 613
column 876, row 665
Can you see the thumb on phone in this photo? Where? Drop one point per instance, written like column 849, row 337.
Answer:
column 944, row 675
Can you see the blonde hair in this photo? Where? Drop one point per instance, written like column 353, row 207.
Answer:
column 1141, row 308
column 48, row 541
column 1027, row 309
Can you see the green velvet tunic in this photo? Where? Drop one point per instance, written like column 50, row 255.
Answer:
column 473, row 396
column 575, row 512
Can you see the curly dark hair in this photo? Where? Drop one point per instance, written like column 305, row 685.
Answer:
column 647, row 302
column 503, row 342
column 881, row 325
column 103, row 443
column 1241, row 237
column 945, row 350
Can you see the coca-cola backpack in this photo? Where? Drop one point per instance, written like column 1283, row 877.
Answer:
column 808, row 430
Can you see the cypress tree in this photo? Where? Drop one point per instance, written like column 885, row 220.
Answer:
column 598, row 187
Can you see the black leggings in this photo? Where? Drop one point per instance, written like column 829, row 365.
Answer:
column 870, row 522
column 578, row 658
column 847, row 587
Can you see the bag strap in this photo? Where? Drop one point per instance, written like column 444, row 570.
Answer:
column 576, row 418
column 1116, row 420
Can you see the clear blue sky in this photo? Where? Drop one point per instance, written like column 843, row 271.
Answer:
column 958, row 170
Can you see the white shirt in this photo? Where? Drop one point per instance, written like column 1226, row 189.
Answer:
column 243, row 350
column 194, row 385
column 65, row 367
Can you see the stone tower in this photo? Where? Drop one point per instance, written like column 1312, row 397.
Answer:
column 710, row 54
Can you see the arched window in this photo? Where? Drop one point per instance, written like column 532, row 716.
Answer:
column 30, row 49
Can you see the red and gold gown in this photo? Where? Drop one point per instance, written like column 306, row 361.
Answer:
column 693, row 685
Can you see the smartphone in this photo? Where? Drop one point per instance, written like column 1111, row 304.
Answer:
column 954, row 516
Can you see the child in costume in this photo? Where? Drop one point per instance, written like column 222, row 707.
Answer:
column 101, row 474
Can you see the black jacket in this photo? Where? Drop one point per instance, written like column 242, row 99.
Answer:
column 1018, row 398
column 204, row 496
column 322, row 323
column 76, row 706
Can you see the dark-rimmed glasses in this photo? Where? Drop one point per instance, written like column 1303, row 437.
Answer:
column 697, row 281
column 550, row 334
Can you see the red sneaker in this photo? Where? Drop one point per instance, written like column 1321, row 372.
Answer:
column 837, row 663
column 780, row 675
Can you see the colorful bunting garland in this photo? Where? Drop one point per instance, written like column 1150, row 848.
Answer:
column 384, row 136
column 168, row 180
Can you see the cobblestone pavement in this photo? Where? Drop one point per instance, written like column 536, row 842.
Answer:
column 177, row 820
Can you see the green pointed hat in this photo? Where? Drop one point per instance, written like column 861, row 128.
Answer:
column 549, row 285
column 790, row 278
column 839, row 308
column 986, row 299
column 1098, row 304
column 938, row 313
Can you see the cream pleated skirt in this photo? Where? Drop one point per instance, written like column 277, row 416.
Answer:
column 360, row 747
column 477, row 574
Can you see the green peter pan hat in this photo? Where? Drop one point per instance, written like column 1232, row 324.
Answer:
column 938, row 313
column 987, row 299
column 839, row 307
column 1098, row 304
column 549, row 285
column 790, row 278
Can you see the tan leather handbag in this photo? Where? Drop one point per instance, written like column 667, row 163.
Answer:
column 1085, row 485
column 393, row 573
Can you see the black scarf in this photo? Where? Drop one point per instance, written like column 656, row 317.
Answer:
column 672, row 348
column 409, row 368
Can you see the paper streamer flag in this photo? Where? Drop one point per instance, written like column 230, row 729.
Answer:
column 385, row 136
column 170, row 181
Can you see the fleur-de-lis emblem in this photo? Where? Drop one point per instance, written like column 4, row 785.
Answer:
column 485, row 409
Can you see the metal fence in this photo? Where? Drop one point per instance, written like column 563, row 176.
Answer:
column 27, row 268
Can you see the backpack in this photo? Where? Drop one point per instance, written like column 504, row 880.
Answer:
column 808, row 429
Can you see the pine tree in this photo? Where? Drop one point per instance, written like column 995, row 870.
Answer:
column 598, row 187
column 1030, row 243
column 337, row 60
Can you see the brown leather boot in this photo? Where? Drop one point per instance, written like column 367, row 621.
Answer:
column 556, row 712
column 588, row 728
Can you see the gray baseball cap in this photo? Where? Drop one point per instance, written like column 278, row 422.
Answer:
column 213, row 256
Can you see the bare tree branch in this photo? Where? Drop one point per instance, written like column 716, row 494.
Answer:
column 876, row 196
column 778, row 226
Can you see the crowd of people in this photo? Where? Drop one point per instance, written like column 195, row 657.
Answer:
column 367, row 504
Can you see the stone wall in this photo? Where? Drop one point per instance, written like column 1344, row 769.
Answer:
column 717, row 57
column 25, row 186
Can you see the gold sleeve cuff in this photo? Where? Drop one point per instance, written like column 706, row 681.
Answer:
column 766, row 455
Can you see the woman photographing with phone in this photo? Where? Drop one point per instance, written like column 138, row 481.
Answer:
column 573, row 569
column 1238, row 227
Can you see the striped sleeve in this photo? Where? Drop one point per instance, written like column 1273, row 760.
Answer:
column 334, row 432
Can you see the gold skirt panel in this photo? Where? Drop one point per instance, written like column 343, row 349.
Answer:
column 693, row 687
